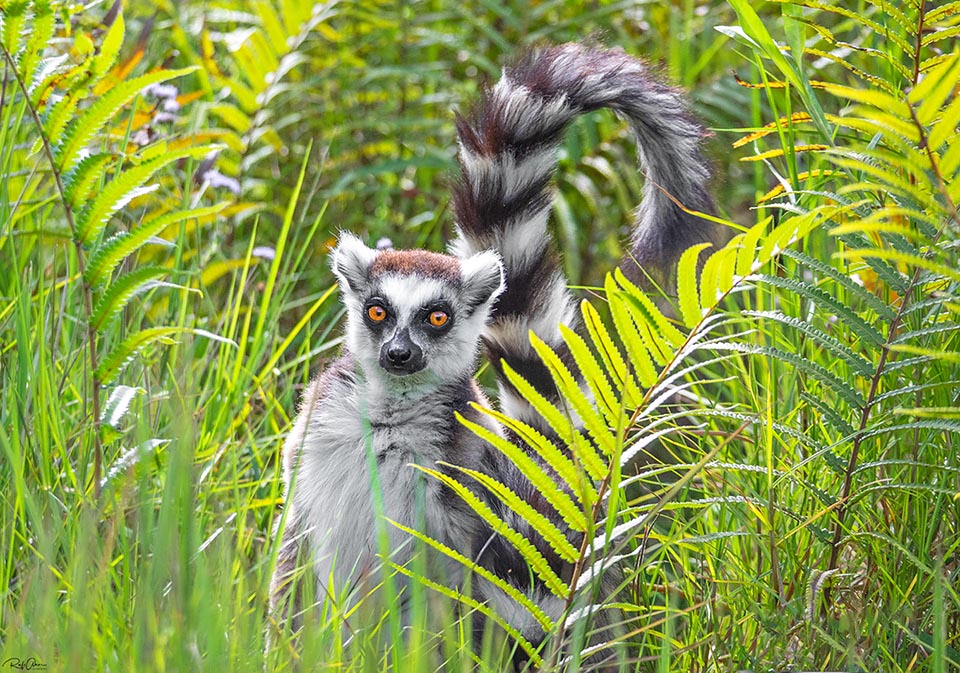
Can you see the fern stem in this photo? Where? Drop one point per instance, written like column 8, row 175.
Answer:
column 86, row 290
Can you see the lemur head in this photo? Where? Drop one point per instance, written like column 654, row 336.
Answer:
column 414, row 317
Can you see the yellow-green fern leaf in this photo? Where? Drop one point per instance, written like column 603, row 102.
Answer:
column 124, row 187
column 111, row 365
column 482, row 608
column 612, row 358
column 111, row 252
column 664, row 328
column 574, row 477
column 109, row 49
column 594, row 376
column 544, row 483
column 93, row 119
column 537, row 520
column 633, row 341
column 542, row 618
column 530, row 553
column 572, row 393
column 687, row 295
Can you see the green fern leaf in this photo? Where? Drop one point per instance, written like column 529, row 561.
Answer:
column 530, row 553
column 661, row 325
column 557, row 497
column 78, row 183
column 633, row 340
column 942, row 11
column 844, row 280
column 58, row 116
column 473, row 604
column 540, row 523
column 93, row 119
column 859, row 364
column 718, row 274
column 860, row 327
column 941, row 270
column 576, row 480
column 112, row 251
column 13, row 21
column 945, row 128
column 561, row 424
column 572, row 393
column 126, row 186
column 41, row 32
column 522, row 599
column 747, row 260
column 935, row 89
column 840, row 386
column 611, row 356
column 793, row 230
column 126, row 288
column 687, row 295
column 910, row 335
column 109, row 49
column 115, row 360
column 829, row 412
column 594, row 377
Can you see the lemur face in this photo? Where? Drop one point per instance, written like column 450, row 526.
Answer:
column 415, row 316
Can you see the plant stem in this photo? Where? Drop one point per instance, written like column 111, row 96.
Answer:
column 86, row 290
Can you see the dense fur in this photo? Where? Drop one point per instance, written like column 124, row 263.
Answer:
column 508, row 147
column 391, row 399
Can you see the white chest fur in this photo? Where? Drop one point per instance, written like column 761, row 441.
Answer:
column 353, row 448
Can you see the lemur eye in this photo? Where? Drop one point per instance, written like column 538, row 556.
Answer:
column 376, row 313
column 438, row 318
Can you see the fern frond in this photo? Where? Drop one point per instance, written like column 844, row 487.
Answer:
column 126, row 186
column 850, row 318
column 595, row 378
column 573, row 476
column 81, row 129
column 123, row 352
column 688, row 297
column 610, row 354
column 112, row 251
column 530, row 553
column 856, row 361
column 125, row 288
column 559, row 422
column 633, row 340
column 522, row 599
column 540, row 523
column 570, row 390
column 544, row 483
column 109, row 49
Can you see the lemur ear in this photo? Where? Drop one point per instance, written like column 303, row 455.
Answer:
column 483, row 279
column 351, row 262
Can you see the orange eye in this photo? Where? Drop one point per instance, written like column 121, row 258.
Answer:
column 438, row 318
column 376, row 313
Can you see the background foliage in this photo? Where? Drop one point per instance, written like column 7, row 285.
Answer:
column 173, row 174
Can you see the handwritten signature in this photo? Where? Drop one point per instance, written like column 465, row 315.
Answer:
column 28, row 664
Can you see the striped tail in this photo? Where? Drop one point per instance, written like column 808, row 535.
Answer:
column 508, row 147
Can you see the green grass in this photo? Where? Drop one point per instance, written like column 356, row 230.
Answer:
column 801, row 544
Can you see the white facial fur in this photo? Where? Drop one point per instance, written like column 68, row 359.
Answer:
column 450, row 355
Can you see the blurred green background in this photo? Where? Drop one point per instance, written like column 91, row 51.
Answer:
column 140, row 541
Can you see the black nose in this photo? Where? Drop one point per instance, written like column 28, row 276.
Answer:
column 400, row 355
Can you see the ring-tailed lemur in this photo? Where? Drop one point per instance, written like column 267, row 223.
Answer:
column 416, row 321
